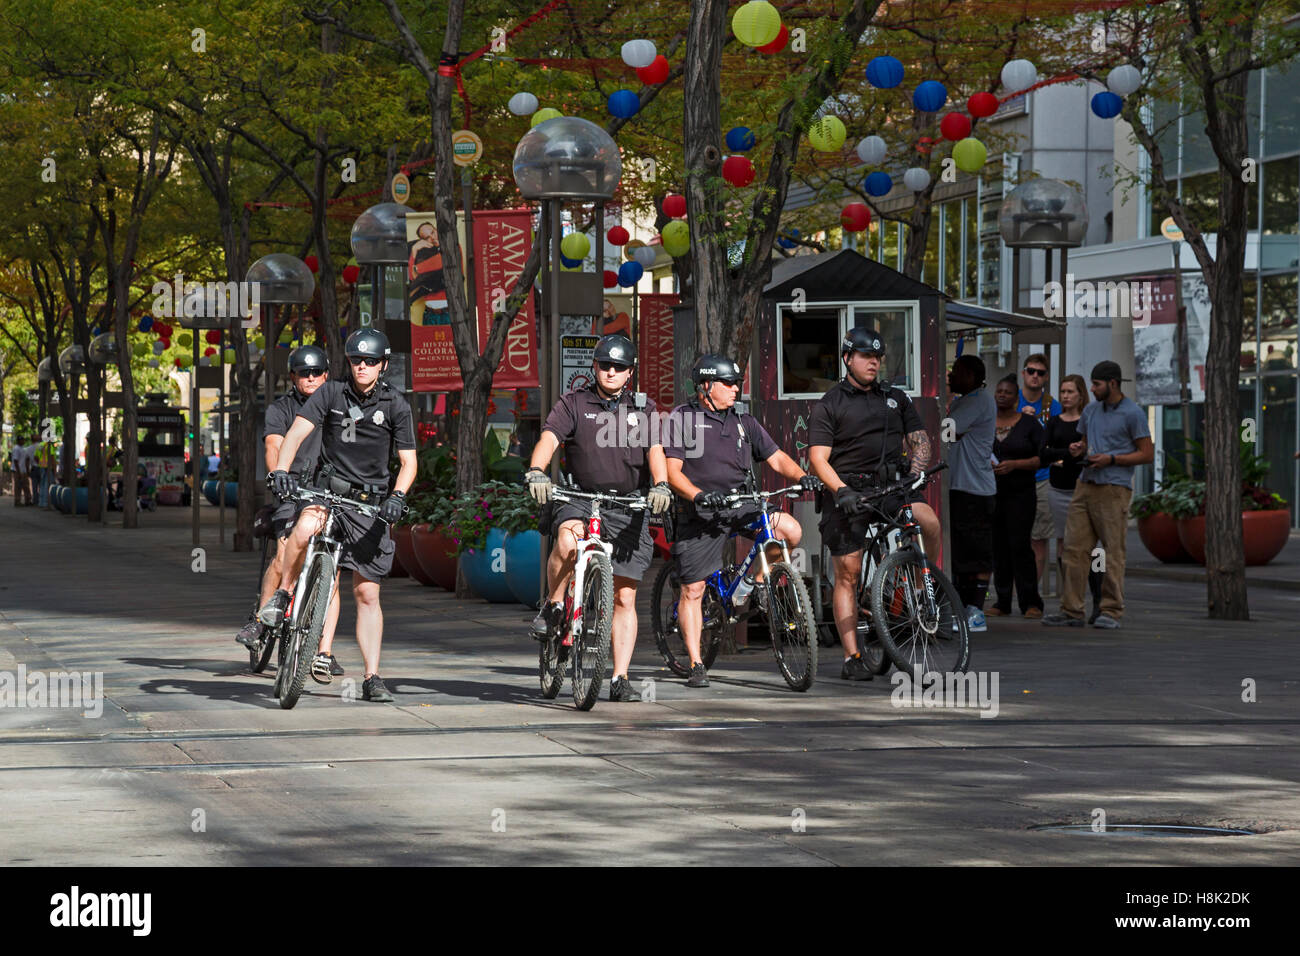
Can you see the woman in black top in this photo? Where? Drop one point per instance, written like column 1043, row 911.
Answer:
column 1062, row 430
column 1016, row 444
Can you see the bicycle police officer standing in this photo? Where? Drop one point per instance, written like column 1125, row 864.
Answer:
column 361, row 421
column 712, row 452
column 309, row 368
column 611, row 444
column 856, row 435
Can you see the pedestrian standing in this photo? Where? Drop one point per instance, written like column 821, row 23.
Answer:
column 1115, row 440
column 1017, row 439
column 1034, row 399
column 972, row 490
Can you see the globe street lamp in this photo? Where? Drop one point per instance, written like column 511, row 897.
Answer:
column 379, row 240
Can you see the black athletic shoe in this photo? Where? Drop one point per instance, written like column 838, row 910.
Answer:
column 855, row 668
column 250, row 633
column 699, row 676
column 542, row 622
column 374, row 689
column 272, row 613
column 620, row 690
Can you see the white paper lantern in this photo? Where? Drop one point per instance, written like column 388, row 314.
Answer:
column 872, row 150
column 158, row 347
column 1124, row 79
column 205, row 361
column 645, row 255
column 639, row 54
column 153, row 363
column 916, row 179
column 1019, row 75
column 523, row 104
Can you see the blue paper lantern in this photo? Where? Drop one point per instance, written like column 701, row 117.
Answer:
column 789, row 243
column 885, row 72
column 740, row 139
column 878, row 184
column 930, row 96
column 569, row 263
column 630, row 273
column 1107, row 104
column 146, row 323
column 624, row 104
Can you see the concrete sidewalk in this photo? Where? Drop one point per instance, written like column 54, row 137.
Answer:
column 1282, row 572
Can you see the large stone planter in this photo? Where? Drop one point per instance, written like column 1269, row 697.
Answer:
column 485, row 569
column 1264, row 535
column 1159, row 533
column 401, row 533
column 524, row 567
column 430, row 547
column 210, row 491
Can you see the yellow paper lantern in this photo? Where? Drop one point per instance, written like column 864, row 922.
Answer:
column 969, row 154
column 757, row 23
column 575, row 245
column 541, row 116
column 676, row 238
column 827, row 134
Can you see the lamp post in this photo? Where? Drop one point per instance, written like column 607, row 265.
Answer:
column 72, row 362
column 103, row 350
column 379, row 241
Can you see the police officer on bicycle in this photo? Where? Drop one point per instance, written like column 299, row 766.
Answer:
column 309, row 368
column 857, row 435
column 611, row 444
column 361, row 421
column 711, row 452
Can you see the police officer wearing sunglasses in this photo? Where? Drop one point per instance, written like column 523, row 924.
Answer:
column 361, row 422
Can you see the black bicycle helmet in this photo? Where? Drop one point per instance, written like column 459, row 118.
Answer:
column 710, row 367
column 863, row 339
column 616, row 347
column 308, row 358
column 367, row 343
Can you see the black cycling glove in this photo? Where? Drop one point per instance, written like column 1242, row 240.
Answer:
column 710, row 500
column 851, row 502
column 811, row 483
column 394, row 507
column 283, row 483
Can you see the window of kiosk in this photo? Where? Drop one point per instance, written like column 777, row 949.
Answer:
column 808, row 341
column 899, row 325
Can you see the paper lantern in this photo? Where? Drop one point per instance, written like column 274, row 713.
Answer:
column 827, row 134
column 955, row 126
column 575, row 245
column 1124, row 79
column 523, row 104
column 351, row 274
column 916, row 179
column 878, row 184
column 312, row 263
column 646, row 255
column 166, row 344
column 542, row 115
column 184, row 340
column 146, row 323
column 674, row 206
column 140, row 349
column 738, row 171
column 777, row 45
column 228, row 356
column 970, row 155
column 611, row 278
column 1019, row 75
column 639, row 54
column 162, row 330
column 184, row 361
column 629, row 251
column 981, row 105
column 624, row 104
column 676, row 237
column 259, row 341
column 855, row 217
column 655, row 73
column 630, row 273
column 569, row 264
column 756, row 23
column 617, row 236
column 930, row 96
column 872, row 150
column 204, row 361
column 1107, row 105
column 885, row 72
column 153, row 363
column 159, row 348
column 788, row 243
column 212, row 336
column 740, row 139
column 209, row 351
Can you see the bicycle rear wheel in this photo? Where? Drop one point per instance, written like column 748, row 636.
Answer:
column 305, row 638
column 260, row 655
column 551, row 658
column 869, row 646
column 794, row 632
column 591, row 642
column 668, row 635
column 920, row 633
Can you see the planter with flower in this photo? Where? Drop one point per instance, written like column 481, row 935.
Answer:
column 1157, row 528
column 480, row 544
column 429, row 508
column 435, row 549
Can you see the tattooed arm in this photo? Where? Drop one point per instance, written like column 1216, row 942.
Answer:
column 920, row 452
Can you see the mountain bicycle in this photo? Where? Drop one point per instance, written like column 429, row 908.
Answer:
column 581, row 637
column 788, row 608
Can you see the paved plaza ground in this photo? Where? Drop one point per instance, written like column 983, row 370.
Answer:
column 471, row 765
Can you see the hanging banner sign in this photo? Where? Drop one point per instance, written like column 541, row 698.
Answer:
column 655, row 347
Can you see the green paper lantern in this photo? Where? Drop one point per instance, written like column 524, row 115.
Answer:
column 542, row 115
column 140, row 349
column 184, row 339
column 969, row 154
column 575, row 245
column 184, row 361
column 228, row 356
column 827, row 134
column 260, row 341
column 756, row 23
column 676, row 238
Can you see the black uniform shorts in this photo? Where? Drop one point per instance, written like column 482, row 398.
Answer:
column 843, row 534
column 284, row 516
column 628, row 531
column 970, row 518
column 697, row 544
column 367, row 543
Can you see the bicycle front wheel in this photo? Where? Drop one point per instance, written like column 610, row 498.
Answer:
column 923, row 629
column 794, row 632
column 591, row 643
column 305, row 637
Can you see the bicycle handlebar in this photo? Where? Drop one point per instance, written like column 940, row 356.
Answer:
column 736, row 498
column 911, row 483
column 329, row 498
column 635, row 502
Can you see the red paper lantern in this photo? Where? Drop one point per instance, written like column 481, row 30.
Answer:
column 655, row 73
column 209, row 351
column 737, row 171
column 675, row 206
column 982, row 105
column 162, row 328
column 212, row 336
column 955, row 126
column 777, row 45
column 611, row 278
column 311, row 263
column 855, row 217
column 167, row 343
column 350, row 274
column 177, row 361
column 618, row 236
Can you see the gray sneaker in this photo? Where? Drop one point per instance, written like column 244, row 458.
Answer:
column 1058, row 619
column 1106, row 622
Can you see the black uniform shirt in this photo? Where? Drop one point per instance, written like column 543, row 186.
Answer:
column 715, row 455
column 605, row 448
column 382, row 423
column 279, row 419
column 862, row 427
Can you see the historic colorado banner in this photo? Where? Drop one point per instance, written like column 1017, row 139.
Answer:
column 655, row 347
